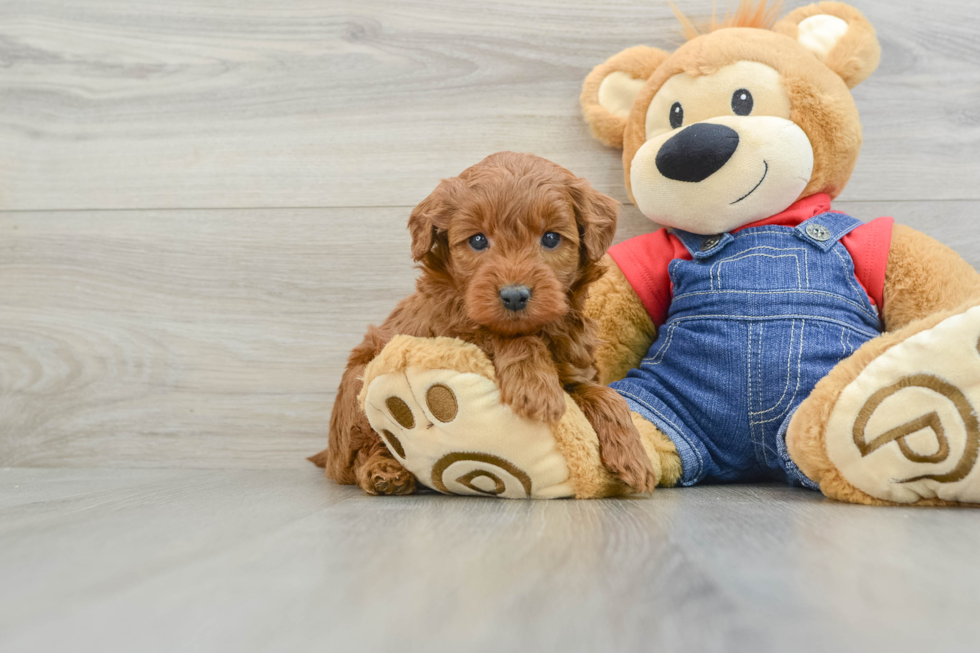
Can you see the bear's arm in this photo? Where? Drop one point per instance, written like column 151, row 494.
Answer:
column 623, row 326
column 924, row 277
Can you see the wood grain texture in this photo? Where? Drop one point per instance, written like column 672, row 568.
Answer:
column 149, row 338
column 217, row 338
column 128, row 104
column 191, row 560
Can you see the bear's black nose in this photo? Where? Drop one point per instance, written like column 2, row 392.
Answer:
column 697, row 152
column 515, row 297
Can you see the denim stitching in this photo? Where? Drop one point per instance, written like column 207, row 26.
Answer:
column 845, row 345
column 759, row 318
column 799, row 359
column 755, row 398
column 851, row 275
column 662, row 352
column 745, row 255
column 820, row 293
column 743, row 234
column 664, row 346
column 783, row 231
column 775, row 247
column 716, row 268
column 760, row 336
column 789, row 359
column 748, row 367
column 758, row 366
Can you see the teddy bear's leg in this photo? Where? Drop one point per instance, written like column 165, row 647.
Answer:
column 896, row 423
column 661, row 451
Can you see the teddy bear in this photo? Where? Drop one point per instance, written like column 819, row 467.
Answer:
column 759, row 335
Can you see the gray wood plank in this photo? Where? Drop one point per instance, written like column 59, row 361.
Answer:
column 204, row 103
column 159, row 560
column 147, row 339
column 217, row 338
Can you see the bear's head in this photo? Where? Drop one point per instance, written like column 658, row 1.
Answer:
column 740, row 122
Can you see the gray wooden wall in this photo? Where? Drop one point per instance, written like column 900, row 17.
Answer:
column 202, row 203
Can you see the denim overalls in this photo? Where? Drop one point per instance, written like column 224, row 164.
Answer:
column 757, row 318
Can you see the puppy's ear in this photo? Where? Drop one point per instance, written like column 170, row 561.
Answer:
column 431, row 216
column 596, row 215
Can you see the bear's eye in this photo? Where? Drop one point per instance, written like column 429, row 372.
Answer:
column 551, row 240
column 479, row 241
column 742, row 102
column 676, row 115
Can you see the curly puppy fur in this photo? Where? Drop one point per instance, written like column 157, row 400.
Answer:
column 540, row 351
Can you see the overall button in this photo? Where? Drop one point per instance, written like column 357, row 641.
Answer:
column 710, row 242
column 818, row 232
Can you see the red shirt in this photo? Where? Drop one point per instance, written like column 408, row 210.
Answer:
column 645, row 259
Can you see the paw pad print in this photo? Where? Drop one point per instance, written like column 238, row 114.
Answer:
column 400, row 412
column 453, row 433
column 394, row 444
column 906, row 428
column 442, row 403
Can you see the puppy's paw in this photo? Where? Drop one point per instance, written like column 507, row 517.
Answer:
column 385, row 476
column 622, row 453
column 536, row 400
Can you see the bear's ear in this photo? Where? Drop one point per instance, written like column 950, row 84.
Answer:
column 610, row 89
column 838, row 35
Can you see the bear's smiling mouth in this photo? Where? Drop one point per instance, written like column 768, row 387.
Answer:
column 756, row 186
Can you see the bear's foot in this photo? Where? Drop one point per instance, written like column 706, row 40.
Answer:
column 897, row 423
column 436, row 405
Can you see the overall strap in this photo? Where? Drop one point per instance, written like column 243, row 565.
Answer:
column 824, row 230
column 703, row 246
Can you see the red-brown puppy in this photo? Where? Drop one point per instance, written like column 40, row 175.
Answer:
column 507, row 252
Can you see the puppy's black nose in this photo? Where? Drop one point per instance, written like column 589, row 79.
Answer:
column 697, row 152
column 515, row 297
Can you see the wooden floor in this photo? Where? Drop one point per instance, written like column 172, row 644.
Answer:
column 202, row 206
column 275, row 560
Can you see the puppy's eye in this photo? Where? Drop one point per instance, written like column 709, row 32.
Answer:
column 676, row 115
column 551, row 240
column 742, row 102
column 479, row 241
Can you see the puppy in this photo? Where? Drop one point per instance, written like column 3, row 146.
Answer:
column 507, row 252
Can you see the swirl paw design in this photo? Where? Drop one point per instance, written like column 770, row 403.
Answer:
column 906, row 428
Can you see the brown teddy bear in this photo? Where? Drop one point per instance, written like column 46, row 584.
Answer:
column 795, row 342
column 762, row 336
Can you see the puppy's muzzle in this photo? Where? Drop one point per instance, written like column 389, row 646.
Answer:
column 515, row 298
column 697, row 152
